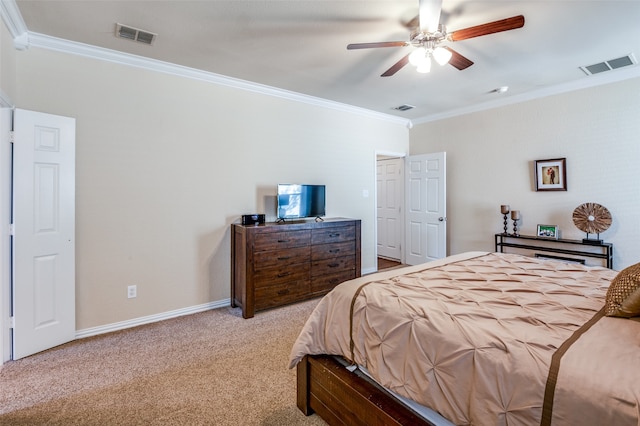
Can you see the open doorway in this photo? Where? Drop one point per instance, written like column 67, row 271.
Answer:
column 411, row 217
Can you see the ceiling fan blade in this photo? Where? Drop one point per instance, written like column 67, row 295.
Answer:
column 414, row 23
column 430, row 15
column 353, row 46
column 396, row 67
column 457, row 60
column 488, row 28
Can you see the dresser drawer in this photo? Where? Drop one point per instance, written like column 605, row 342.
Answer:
column 280, row 258
column 330, row 266
column 328, row 251
column 326, row 283
column 281, row 294
column 334, row 234
column 288, row 273
column 281, row 240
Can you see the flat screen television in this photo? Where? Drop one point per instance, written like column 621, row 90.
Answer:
column 300, row 201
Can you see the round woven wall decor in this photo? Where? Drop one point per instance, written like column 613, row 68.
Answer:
column 592, row 218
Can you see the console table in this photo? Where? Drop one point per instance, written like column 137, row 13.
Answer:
column 602, row 251
column 273, row 264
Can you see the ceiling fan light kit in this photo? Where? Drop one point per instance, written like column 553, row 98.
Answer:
column 428, row 34
column 421, row 58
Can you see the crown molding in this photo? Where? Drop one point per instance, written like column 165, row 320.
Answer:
column 584, row 83
column 12, row 19
column 43, row 41
column 23, row 39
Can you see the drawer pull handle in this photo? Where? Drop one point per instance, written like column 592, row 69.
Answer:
column 334, row 251
column 283, row 274
column 283, row 292
column 334, row 235
column 284, row 258
column 333, row 265
column 283, row 241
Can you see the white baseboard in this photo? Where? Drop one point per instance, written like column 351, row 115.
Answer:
column 93, row 331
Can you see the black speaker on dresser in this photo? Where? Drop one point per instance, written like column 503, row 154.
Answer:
column 252, row 219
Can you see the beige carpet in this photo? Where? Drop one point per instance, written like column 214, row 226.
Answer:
column 211, row 368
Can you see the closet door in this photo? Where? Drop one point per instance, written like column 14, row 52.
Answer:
column 43, row 242
column 389, row 199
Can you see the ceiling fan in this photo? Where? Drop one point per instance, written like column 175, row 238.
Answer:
column 427, row 34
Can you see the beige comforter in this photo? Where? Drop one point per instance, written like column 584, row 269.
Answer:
column 472, row 336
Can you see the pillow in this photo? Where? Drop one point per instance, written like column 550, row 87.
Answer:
column 623, row 296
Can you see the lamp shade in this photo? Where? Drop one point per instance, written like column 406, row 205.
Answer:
column 418, row 56
column 442, row 55
column 425, row 66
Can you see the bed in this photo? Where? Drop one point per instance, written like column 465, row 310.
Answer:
column 476, row 338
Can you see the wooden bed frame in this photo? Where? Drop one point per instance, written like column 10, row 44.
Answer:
column 342, row 397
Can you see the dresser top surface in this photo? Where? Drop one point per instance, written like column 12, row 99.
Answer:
column 300, row 224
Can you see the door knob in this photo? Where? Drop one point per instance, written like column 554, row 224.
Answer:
column 441, row 219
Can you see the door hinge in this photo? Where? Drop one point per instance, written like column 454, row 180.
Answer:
column 12, row 229
column 12, row 322
column 11, row 136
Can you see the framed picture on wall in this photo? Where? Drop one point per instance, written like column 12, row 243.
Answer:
column 547, row 231
column 551, row 175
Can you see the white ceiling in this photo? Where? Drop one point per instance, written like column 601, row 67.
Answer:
column 300, row 45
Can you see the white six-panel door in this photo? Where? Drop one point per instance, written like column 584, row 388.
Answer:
column 44, row 231
column 426, row 210
column 389, row 199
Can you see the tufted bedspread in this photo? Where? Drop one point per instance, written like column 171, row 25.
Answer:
column 472, row 336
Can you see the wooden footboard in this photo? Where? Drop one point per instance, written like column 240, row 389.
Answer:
column 341, row 397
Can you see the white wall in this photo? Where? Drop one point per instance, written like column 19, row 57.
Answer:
column 165, row 164
column 7, row 64
column 490, row 157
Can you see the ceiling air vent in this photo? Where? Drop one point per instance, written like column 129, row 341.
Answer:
column 135, row 34
column 404, row 107
column 609, row 65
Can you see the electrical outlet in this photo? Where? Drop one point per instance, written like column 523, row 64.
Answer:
column 132, row 291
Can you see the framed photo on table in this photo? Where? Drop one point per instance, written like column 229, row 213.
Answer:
column 551, row 175
column 547, row 231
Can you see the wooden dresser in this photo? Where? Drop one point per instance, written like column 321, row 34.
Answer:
column 274, row 264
